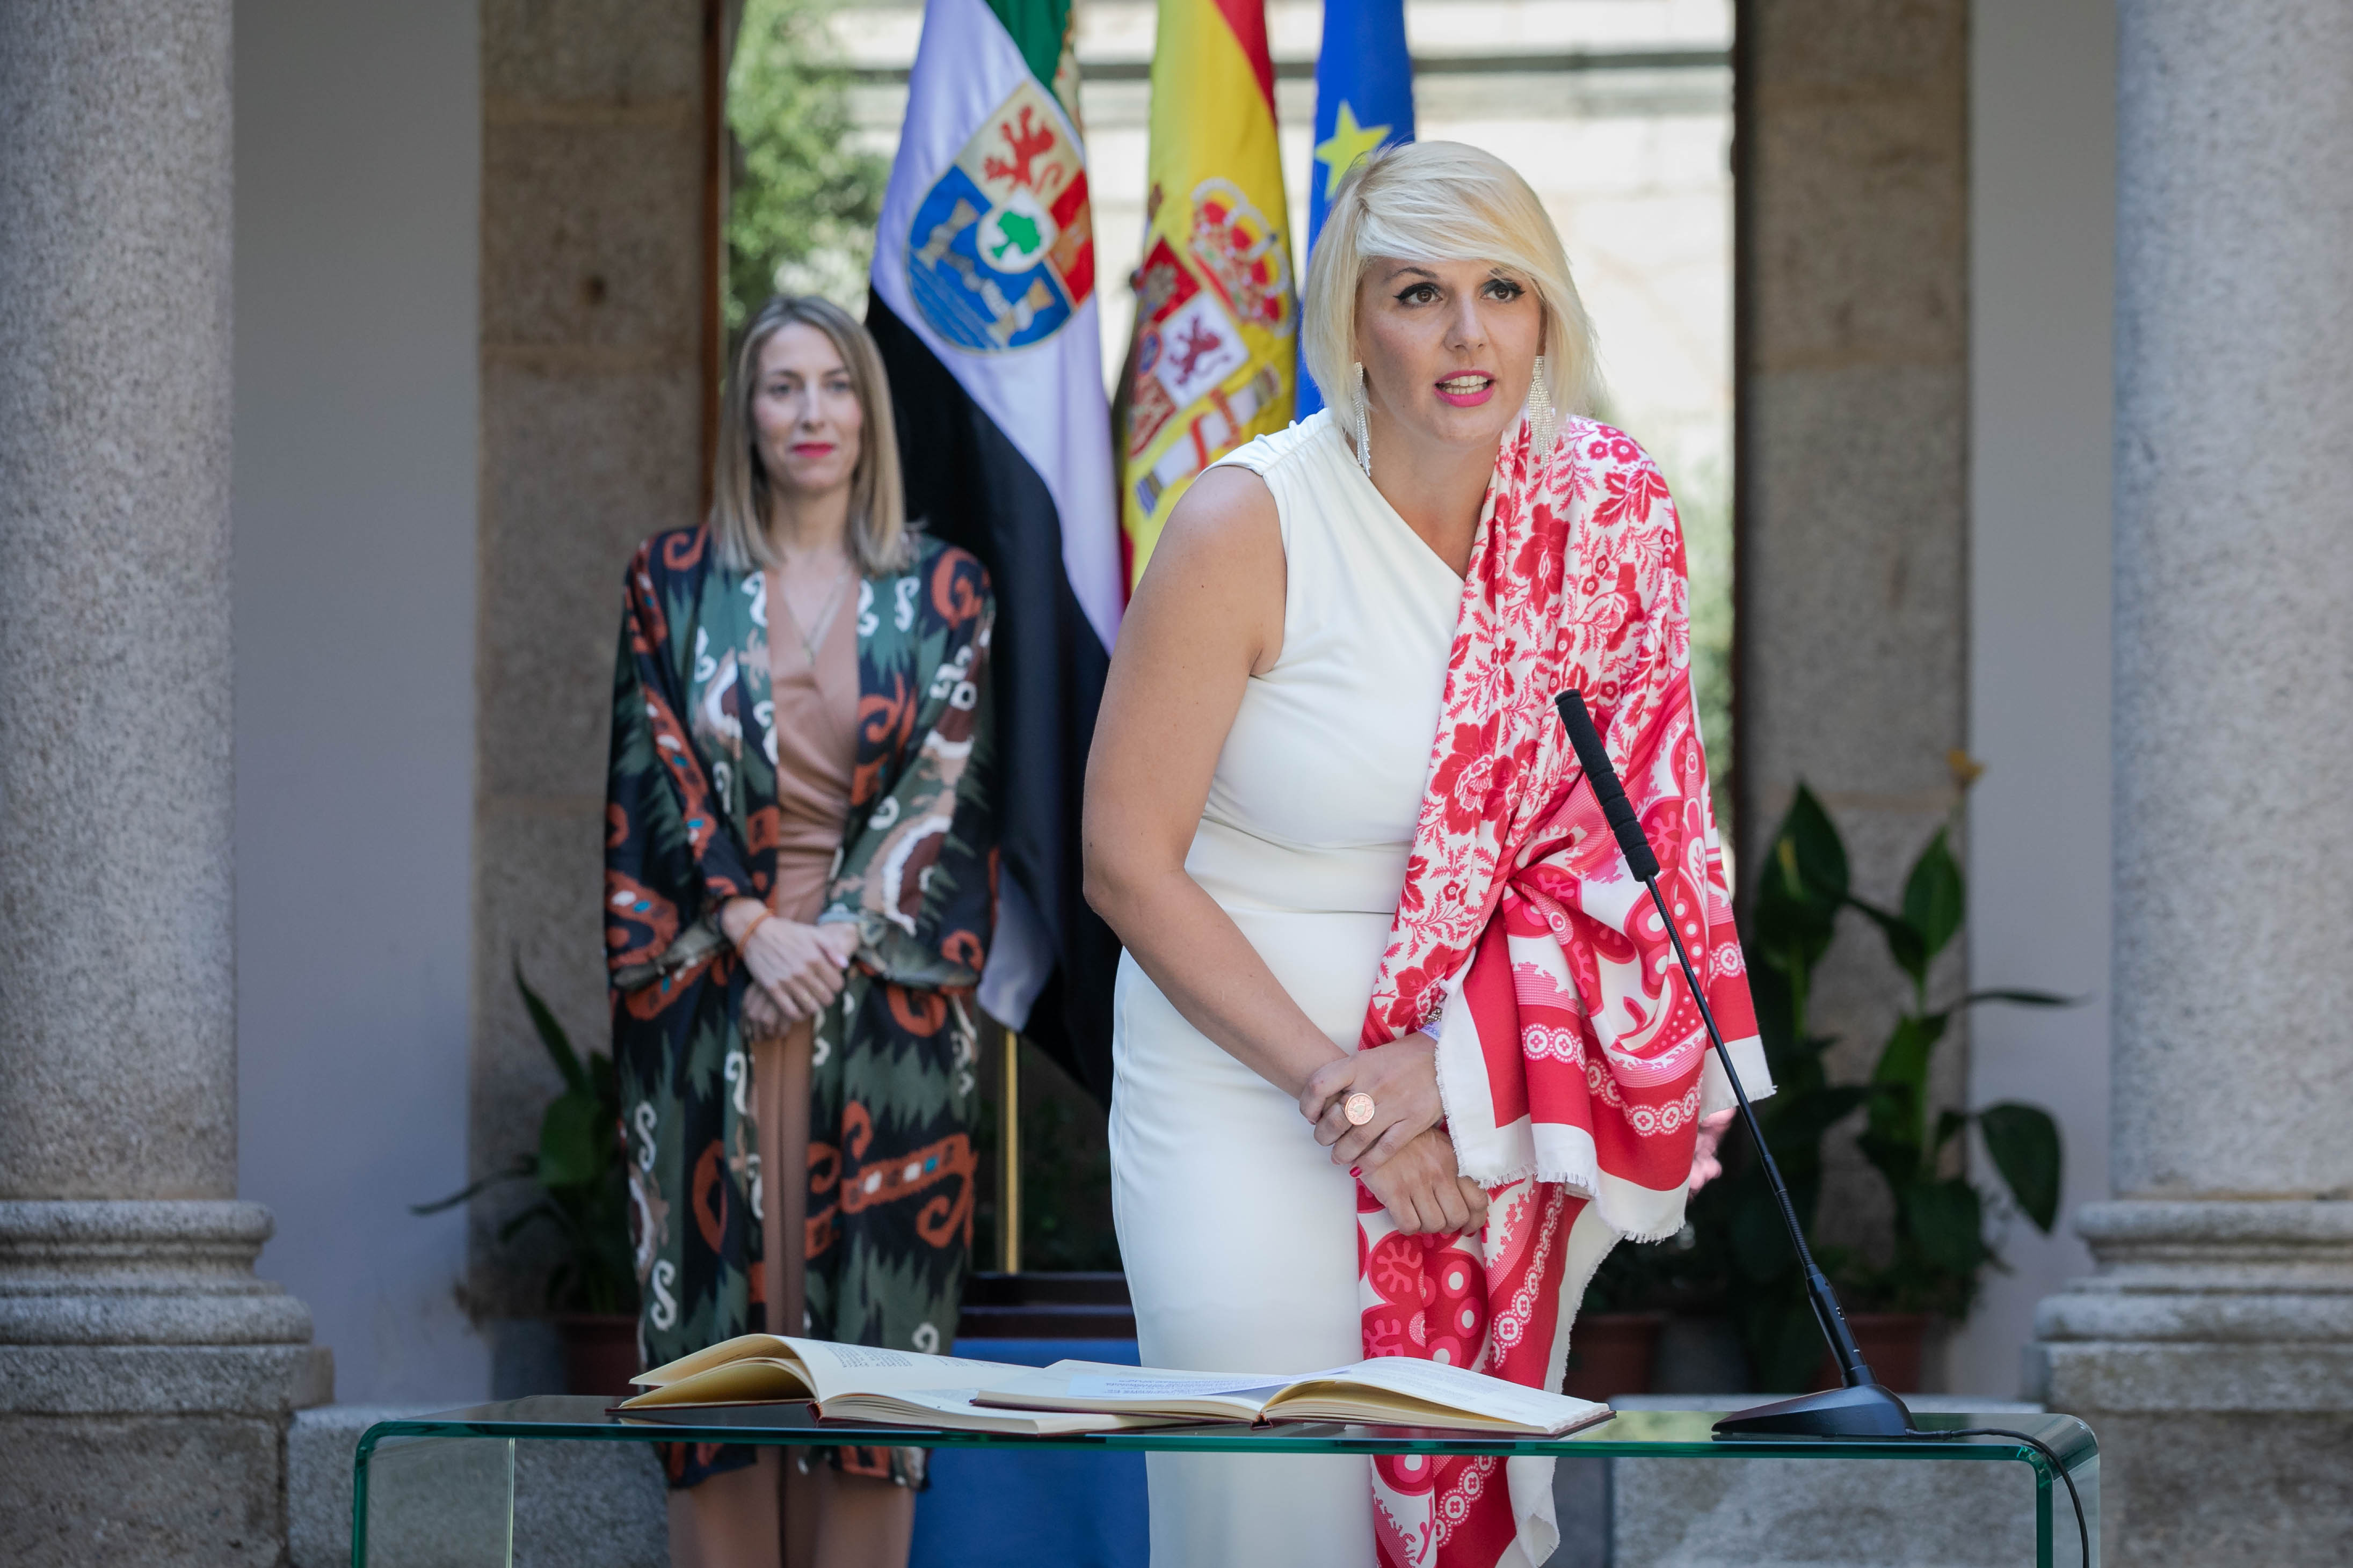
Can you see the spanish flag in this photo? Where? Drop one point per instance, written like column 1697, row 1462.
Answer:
column 1212, row 364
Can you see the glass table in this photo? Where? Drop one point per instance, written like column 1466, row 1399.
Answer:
column 440, row 1490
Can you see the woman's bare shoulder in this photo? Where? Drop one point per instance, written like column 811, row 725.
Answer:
column 1226, row 522
column 1218, row 565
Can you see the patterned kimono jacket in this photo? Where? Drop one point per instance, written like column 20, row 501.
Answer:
column 690, row 822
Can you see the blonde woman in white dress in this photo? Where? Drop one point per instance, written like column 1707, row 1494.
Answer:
column 1257, row 771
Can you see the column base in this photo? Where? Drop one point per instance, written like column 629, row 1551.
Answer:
column 146, row 1379
column 2212, row 1352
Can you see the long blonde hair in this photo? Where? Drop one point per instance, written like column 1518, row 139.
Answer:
column 1440, row 201
column 879, row 538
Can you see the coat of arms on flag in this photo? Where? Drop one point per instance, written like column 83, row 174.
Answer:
column 1001, row 252
column 1190, row 340
column 1216, row 326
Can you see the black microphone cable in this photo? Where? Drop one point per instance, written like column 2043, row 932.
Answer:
column 1585, row 739
column 2082, row 1530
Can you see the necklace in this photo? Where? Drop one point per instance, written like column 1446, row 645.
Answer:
column 811, row 638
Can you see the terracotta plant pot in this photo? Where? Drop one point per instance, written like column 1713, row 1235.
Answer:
column 1612, row 1354
column 600, row 1351
column 1894, row 1343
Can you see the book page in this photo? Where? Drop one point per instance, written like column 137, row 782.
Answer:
column 746, row 1381
column 1104, row 1385
column 1475, row 1393
column 954, row 1408
column 805, row 1369
column 835, row 1369
column 1152, row 1384
column 736, row 1349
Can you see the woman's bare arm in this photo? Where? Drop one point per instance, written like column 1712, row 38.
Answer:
column 1207, row 617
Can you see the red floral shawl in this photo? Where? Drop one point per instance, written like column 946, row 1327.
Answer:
column 1571, row 1060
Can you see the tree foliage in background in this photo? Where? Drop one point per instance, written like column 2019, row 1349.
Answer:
column 806, row 195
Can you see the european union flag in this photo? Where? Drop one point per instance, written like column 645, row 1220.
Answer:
column 1364, row 99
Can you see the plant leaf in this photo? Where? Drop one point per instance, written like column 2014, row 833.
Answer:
column 525, row 1167
column 570, row 1154
column 2023, row 998
column 1798, row 895
column 538, row 1211
column 1948, row 1220
column 1802, row 1121
column 552, row 1036
column 1787, row 1347
column 1948, row 1122
column 1819, row 855
column 1790, row 929
column 2024, row 1142
column 1901, row 1116
column 1759, row 1244
column 1935, row 896
column 1906, row 945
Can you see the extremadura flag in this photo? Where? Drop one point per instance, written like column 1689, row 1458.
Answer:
column 984, row 304
column 1215, row 324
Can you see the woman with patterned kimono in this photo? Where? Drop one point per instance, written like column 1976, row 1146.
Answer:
column 1399, row 1050
column 800, row 870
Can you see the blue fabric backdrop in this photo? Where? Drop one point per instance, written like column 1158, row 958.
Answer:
column 991, row 1507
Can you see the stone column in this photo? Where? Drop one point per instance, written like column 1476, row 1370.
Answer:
column 2214, row 1350
column 144, row 1372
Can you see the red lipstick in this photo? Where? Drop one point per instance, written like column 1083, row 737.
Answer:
column 1466, row 388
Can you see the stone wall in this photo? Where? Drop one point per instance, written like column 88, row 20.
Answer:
column 593, row 378
column 1852, row 290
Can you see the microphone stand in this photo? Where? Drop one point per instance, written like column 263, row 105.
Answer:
column 1862, row 1408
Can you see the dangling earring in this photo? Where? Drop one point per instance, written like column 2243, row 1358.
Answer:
column 1541, row 416
column 1364, row 431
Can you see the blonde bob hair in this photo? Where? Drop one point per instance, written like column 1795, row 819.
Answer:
column 1440, row 201
column 879, row 540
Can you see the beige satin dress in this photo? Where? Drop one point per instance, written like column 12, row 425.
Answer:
column 817, row 752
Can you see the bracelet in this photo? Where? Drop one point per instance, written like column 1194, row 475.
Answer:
column 756, row 920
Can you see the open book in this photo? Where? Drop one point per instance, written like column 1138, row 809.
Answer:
column 856, row 1382
column 1387, row 1391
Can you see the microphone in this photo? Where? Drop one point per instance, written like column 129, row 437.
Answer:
column 1862, row 1408
column 1603, row 776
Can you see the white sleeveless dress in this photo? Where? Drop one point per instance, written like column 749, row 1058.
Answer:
column 1237, row 1230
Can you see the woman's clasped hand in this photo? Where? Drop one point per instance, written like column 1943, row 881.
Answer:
column 795, row 969
column 1401, row 1154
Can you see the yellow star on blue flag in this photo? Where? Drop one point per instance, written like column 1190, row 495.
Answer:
column 1338, row 152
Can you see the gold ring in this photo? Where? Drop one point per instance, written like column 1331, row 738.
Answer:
column 1357, row 1108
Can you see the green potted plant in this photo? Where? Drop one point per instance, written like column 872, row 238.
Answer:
column 592, row 1290
column 1937, row 1253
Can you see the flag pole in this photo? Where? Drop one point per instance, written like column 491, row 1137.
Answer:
column 1009, row 1145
